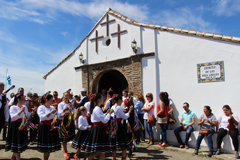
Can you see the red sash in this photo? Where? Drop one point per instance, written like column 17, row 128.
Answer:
column 18, row 120
column 119, row 119
column 101, row 123
column 47, row 122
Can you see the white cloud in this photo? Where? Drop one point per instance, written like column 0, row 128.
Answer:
column 6, row 36
column 226, row 7
column 44, row 11
column 64, row 33
column 186, row 18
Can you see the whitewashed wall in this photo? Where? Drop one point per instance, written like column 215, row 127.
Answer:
column 64, row 77
column 111, row 52
column 178, row 58
column 172, row 69
column 179, row 55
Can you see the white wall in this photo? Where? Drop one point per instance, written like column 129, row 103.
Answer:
column 176, row 65
column 111, row 52
column 65, row 77
column 178, row 58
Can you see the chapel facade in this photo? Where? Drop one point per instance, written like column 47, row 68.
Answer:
column 197, row 67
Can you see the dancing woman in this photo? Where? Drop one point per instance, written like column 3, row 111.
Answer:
column 96, row 141
column 17, row 138
column 67, row 128
column 121, row 140
column 48, row 138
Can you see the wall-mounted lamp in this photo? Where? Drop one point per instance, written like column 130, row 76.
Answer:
column 81, row 58
column 134, row 46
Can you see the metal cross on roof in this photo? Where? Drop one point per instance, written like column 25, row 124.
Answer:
column 118, row 33
column 107, row 24
column 96, row 38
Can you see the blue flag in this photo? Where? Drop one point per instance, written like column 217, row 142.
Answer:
column 8, row 79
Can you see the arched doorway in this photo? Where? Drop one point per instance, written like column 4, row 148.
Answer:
column 114, row 79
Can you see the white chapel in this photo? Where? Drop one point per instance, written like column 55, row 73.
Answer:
column 197, row 67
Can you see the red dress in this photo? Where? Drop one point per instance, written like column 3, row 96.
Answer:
column 163, row 114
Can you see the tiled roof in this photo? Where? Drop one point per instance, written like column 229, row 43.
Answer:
column 158, row 27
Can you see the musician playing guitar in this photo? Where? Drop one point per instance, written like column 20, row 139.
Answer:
column 33, row 105
column 56, row 100
column 20, row 91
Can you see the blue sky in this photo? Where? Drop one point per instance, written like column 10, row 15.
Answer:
column 37, row 34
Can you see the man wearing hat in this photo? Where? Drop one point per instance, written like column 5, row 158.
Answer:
column 84, row 97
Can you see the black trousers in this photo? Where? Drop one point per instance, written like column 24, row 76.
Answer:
column 33, row 132
column 233, row 134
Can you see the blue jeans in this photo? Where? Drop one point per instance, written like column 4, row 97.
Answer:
column 209, row 139
column 164, row 132
column 140, row 117
column 148, row 127
column 188, row 133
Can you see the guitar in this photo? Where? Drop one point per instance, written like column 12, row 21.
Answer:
column 35, row 102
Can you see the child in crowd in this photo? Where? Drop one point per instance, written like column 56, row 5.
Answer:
column 83, row 129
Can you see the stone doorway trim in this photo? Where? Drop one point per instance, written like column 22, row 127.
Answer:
column 130, row 67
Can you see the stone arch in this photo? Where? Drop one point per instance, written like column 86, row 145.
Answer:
column 96, row 86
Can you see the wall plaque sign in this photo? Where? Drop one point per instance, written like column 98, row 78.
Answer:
column 210, row 72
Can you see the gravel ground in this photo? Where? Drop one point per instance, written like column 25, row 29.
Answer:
column 143, row 152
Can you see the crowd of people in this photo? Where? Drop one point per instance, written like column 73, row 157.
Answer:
column 105, row 122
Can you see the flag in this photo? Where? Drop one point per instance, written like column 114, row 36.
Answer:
column 8, row 79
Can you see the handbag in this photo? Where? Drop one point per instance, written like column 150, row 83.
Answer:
column 162, row 120
column 204, row 131
column 151, row 120
column 231, row 125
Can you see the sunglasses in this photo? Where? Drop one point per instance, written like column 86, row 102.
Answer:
column 184, row 106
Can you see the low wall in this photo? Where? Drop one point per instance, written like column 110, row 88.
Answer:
column 227, row 145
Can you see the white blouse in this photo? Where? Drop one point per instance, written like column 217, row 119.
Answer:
column 107, row 104
column 62, row 106
column 42, row 112
column 223, row 121
column 118, row 112
column 14, row 112
column 122, row 105
column 151, row 112
column 82, row 123
column 87, row 105
column 98, row 116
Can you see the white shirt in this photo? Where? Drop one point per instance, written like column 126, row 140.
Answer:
column 14, row 112
column 98, row 116
column 6, row 111
column 135, row 101
column 223, row 121
column 118, row 112
column 42, row 112
column 151, row 112
column 122, row 105
column 82, row 123
column 87, row 105
column 62, row 106
column 107, row 104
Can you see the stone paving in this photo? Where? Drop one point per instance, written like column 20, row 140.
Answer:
column 144, row 152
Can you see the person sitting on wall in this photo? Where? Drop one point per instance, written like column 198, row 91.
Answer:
column 207, row 122
column 187, row 122
column 228, row 124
